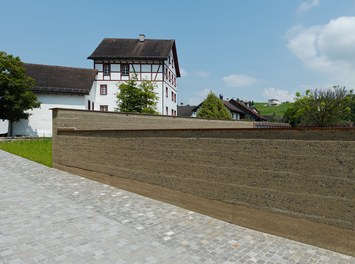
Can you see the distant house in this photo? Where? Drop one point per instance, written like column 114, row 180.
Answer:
column 248, row 112
column 56, row 86
column 273, row 102
column 186, row 110
column 237, row 110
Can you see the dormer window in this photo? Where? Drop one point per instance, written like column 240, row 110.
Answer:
column 106, row 69
column 125, row 69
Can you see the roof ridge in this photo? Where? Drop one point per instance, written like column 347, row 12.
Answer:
column 138, row 39
column 58, row 66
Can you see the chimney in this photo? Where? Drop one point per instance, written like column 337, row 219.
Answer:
column 141, row 37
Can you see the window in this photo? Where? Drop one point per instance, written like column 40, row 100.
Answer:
column 104, row 108
column 125, row 69
column 166, row 73
column 172, row 96
column 89, row 104
column 103, row 89
column 166, row 92
column 172, row 112
column 92, row 106
column 172, row 62
column 167, row 110
column 106, row 69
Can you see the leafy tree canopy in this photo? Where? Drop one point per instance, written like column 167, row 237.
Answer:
column 321, row 108
column 16, row 98
column 352, row 107
column 137, row 98
column 213, row 107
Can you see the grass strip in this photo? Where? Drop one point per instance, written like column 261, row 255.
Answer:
column 279, row 110
column 38, row 150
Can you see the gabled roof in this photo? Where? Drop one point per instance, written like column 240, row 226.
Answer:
column 131, row 49
column 59, row 79
column 233, row 108
column 186, row 110
column 247, row 110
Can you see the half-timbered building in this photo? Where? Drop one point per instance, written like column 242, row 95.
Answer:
column 119, row 60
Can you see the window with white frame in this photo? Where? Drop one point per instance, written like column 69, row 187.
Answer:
column 103, row 89
column 106, row 69
column 125, row 69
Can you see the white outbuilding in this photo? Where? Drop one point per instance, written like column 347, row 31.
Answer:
column 56, row 86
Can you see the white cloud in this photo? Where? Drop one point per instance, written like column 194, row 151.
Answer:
column 327, row 49
column 281, row 95
column 183, row 72
column 305, row 6
column 239, row 80
column 199, row 96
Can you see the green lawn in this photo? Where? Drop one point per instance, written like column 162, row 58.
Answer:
column 38, row 150
column 279, row 110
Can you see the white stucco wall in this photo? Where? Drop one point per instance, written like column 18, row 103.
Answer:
column 109, row 99
column 4, row 125
column 170, row 84
column 39, row 123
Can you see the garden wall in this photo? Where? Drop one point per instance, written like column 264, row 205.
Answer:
column 295, row 183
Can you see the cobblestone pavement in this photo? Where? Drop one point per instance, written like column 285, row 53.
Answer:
column 49, row 216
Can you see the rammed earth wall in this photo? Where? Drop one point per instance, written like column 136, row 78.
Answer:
column 295, row 183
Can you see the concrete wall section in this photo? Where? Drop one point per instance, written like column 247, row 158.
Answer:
column 113, row 120
column 295, row 183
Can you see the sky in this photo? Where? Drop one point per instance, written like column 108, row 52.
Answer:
column 247, row 49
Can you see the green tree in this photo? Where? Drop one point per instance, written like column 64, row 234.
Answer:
column 137, row 98
column 213, row 107
column 16, row 97
column 320, row 108
column 352, row 109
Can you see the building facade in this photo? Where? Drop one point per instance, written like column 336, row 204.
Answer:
column 115, row 61
column 120, row 60
column 56, row 86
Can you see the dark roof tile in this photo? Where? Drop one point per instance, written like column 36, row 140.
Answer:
column 59, row 79
column 131, row 49
column 233, row 108
column 186, row 110
column 256, row 116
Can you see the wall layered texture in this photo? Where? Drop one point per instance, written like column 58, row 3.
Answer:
column 295, row 183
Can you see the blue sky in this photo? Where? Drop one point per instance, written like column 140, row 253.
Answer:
column 251, row 50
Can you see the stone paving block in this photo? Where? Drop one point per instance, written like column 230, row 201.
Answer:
column 50, row 216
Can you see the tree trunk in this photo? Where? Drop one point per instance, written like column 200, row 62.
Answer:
column 9, row 131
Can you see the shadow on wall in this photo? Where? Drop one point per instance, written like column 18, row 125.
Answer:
column 23, row 128
column 4, row 127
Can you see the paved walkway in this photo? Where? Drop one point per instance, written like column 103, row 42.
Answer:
column 49, row 216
